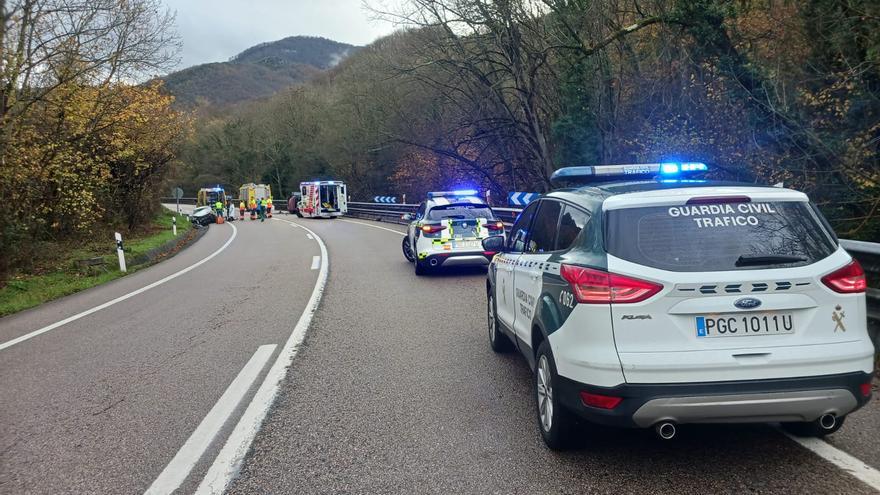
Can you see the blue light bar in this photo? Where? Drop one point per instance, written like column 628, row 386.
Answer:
column 598, row 172
column 460, row 192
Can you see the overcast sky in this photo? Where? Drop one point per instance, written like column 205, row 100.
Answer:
column 215, row 30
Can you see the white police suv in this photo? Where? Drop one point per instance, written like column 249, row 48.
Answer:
column 448, row 229
column 643, row 299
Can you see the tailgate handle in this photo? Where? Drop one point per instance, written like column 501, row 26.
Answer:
column 752, row 357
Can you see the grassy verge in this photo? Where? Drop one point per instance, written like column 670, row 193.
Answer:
column 57, row 275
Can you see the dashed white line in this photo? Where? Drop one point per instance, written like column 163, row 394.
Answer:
column 316, row 262
column 374, row 226
column 229, row 460
column 310, row 236
column 119, row 299
column 180, row 466
column 861, row 471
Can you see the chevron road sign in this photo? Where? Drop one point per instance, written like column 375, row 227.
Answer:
column 385, row 199
column 521, row 198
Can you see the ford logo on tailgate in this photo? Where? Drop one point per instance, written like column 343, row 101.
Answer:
column 747, row 303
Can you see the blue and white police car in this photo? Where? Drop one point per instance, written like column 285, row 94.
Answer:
column 642, row 298
column 448, row 229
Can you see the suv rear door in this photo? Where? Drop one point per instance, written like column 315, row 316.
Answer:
column 743, row 296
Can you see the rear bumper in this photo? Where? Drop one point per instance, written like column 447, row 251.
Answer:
column 448, row 259
column 749, row 401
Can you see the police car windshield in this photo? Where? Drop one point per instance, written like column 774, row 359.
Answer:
column 460, row 211
column 718, row 237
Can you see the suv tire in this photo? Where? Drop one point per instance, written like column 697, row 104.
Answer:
column 555, row 422
column 812, row 428
column 497, row 340
column 421, row 268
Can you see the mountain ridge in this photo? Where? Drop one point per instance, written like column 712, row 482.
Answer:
column 256, row 72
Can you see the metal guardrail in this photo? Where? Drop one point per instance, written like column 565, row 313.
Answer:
column 381, row 212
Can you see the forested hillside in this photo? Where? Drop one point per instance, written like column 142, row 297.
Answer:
column 257, row 72
column 499, row 94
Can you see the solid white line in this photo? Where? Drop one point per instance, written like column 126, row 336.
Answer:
column 374, row 226
column 229, row 460
column 861, row 471
column 107, row 304
column 316, row 262
column 180, row 466
column 310, row 236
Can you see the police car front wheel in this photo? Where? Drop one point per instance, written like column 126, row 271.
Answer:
column 555, row 422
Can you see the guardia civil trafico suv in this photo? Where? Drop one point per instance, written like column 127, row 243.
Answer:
column 448, row 229
column 644, row 298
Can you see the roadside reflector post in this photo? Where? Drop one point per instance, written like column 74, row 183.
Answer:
column 174, row 225
column 120, row 252
column 404, row 198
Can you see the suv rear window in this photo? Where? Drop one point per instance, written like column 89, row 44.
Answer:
column 460, row 211
column 718, row 237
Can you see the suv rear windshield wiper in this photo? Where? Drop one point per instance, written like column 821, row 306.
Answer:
column 768, row 259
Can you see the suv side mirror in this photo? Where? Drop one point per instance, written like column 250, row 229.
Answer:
column 406, row 217
column 494, row 243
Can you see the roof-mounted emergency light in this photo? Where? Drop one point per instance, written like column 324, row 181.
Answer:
column 605, row 172
column 459, row 192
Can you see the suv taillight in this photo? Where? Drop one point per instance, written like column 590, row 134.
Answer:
column 432, row 229
column 847, row 280
column 592, row 286
column 495, row 225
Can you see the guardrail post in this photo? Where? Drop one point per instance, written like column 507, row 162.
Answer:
column 120, row 252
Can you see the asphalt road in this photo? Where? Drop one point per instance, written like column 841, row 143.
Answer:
column 102, row 404
column 395, row 389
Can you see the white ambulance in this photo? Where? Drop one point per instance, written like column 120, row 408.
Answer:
column 323, row 199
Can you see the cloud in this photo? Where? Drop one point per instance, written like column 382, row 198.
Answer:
column 216, row 30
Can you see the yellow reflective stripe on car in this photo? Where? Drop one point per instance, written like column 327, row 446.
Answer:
column 446, row 233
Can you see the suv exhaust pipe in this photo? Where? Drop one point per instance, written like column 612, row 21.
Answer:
column 665, row 430
column 827, row 422
column 433, row 262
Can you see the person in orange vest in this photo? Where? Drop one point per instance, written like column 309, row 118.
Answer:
column 269, row 207
column 241, row 209
column 253, row 209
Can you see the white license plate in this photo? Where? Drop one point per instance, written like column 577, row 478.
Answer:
column 467, row 244
column 738, row 325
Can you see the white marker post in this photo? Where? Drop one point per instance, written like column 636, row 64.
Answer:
column 120, row 253
column 404, row 198
column 174, row 225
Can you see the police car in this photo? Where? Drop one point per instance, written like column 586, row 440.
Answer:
column 643, row 299
column 447, row 230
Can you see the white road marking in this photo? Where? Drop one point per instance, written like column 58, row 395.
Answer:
column 229, row 460
column 180, row 466
column 316, row 262
column 374, row 226
column 119, row 299
column 310, row 236
column 861, row 471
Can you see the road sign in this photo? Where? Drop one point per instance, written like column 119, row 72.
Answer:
column 177, row 193
column 385, row 199
column 521, row 198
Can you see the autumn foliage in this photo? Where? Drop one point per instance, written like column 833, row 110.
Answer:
column 82, row 148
